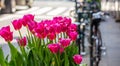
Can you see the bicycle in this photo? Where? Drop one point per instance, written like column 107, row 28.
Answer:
column 95, row 40
column 81, row 16
column 95, row 47
column 82, row 24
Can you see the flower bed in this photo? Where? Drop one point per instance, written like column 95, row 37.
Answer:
column 47, row 43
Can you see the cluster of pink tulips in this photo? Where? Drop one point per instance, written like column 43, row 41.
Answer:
column 47, row 43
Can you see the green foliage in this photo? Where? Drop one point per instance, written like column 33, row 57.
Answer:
column 38, row 55
column 2, row 60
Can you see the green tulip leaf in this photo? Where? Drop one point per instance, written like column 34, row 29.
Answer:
column 2, row 61
column 13, row 51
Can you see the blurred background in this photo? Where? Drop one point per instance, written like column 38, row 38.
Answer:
column 11, row 6
column 46, row 9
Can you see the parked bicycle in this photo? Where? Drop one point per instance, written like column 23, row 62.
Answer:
column 82, row 20
column 95, row 38
column 81, row 37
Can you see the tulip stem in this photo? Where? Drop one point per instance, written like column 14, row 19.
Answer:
column 28, row 32
column 55, row 39
column 35, row 40
column 64, row 35
column 47, row 40
column 20, row 34
column 23, row 52
column 57, row 60
column 44, row 42
column 39, row 44
column 60, row 35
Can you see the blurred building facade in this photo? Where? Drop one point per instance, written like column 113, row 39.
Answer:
column 9, row 6
column 112, row 6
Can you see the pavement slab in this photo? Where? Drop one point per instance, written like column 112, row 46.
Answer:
column 111, row 38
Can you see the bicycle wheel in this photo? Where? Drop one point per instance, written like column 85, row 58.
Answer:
column 95, row 51
column 97, row 43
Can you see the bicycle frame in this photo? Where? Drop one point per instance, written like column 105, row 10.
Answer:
column 95, row 45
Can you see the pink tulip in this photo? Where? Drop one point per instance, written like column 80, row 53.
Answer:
column 64, row 22
column 43, row 34
column 65, row 42
column 17, row 24
column 61, row 50
column 41, row 31
column 22, row 41
column 51, row 29
column 58, row 18
column 77, row 58
column 54, row 48
column 72, row 27
column 64, row 27
column 32, row 25
column 37, row 35
column 6, row 33
column 57, row 28
column 27, row 18
column 24, row 22
column 52, row 36
column 67, row 21
column 73, row 35
column 40, row 28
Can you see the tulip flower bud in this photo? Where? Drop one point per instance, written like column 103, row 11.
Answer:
column 77, row 58
column 6, row 33
column 54, row 48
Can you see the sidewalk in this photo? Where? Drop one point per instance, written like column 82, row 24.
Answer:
column 111, row 38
